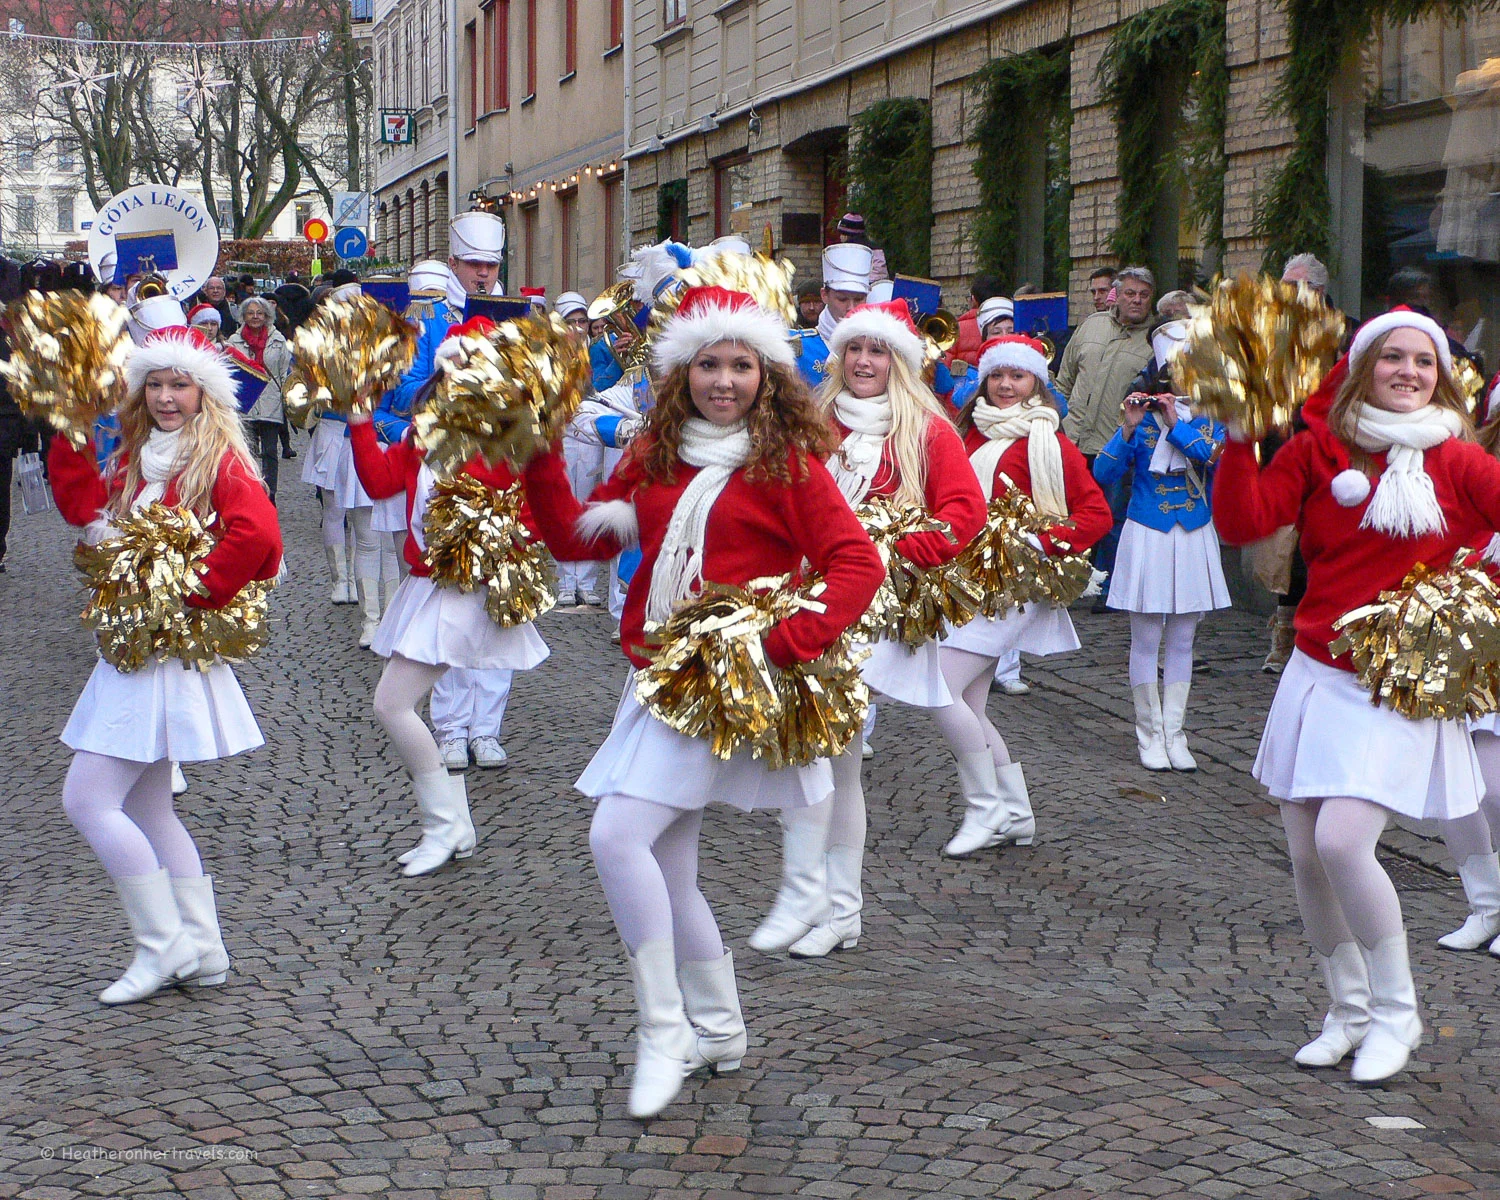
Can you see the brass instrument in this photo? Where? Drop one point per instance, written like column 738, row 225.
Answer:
column 939, row 332
column 151, row 286
column 613, row 305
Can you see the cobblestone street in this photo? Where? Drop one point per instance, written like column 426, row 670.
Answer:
column 1111, row 1012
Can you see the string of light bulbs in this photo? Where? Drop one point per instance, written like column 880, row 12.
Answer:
column 227, row 43
column 555, row 185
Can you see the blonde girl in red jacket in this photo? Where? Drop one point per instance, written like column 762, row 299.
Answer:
column 1383, row 478
column 181, row 444
column 724, row 485
column 428, row 629
column 896, row 439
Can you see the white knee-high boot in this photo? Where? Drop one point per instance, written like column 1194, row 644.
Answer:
column 369, row 607
column 200, row 917
column 1395, row 1028
column 1481, row 878
column 665, row 1041
column 998, row 806
column 1174, row 698
column 1150, row 733
column 712, row 1002
column 164, row 953
column 802, row 901
column 447, row 828
column 338, row 567
column 841, row 931
column 1348, row 1016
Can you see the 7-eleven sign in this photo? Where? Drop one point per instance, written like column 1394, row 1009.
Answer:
column 398, row 126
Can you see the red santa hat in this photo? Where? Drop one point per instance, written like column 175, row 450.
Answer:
column 890, row 323
column 204, row 314
column 475, row 326
column 1014, row 350
column 188, row 351
column 714, row 314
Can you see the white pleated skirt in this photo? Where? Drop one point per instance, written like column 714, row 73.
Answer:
column 912, row 676
column 1173, row 572
column 1035, row 628
column 1489, row 724
column 390, row 514
column 164, row 710
column 1324, row 738
column 446, row 627
column 647, row 759
column 347, row 490
column 320, row 467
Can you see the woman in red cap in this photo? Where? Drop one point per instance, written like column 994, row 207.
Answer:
column 1383, row 479
column 1011, row 430
column 723, row 485
column 428, row 629
column 181, row 445
column 898, row 441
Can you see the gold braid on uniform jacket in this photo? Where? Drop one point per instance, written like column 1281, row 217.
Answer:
column 344, row 356
column 1008, row 570
column 1430, row 648
column 67, row 360
column 475, row 539
column 709, row 677
column 1256, row 351
column 913, row 603
column 140, row 579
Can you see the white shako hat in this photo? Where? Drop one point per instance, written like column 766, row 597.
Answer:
column 1167, row 339
column 428, row 278
column 846, row 267
column 714, row 314
column 477, row 237
column 178, row 348
column 156, row 312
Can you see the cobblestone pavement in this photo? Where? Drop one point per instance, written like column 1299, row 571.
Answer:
column 1109, row 1013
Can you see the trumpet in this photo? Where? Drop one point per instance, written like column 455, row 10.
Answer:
column 939, row 331
column 613, row 306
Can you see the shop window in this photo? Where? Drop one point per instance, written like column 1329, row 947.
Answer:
column 732, row 204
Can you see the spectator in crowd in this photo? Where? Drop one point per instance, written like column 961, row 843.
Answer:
column 1098, row 367
column 215, row 293
column 1101, row 281
column 1420, row 291
column 809, row 307
column 259, row 341
column 205, row 317
column 851, row 228
column 1173, row 306
column 970, row 336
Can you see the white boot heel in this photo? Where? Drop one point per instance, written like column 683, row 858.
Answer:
column 712, row 1002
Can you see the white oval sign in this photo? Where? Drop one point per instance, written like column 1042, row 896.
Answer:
column 155, row 224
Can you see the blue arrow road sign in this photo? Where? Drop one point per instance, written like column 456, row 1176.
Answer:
column 350, row 243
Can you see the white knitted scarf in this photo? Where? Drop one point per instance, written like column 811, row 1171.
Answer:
column 718, row 450
column 869, row 423
column 158, row 459
column 1404, row 504
column 826, row 322
column 1036, row 421
column 1167, row 457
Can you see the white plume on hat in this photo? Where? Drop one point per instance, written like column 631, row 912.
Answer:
column 654, row 264
column 477, row 237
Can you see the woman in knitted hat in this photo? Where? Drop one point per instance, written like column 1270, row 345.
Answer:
column 1167, row 571
column 181, row 445
column 429, row 628
column 1384, row 478
column 1011, row 430
column 897, row 441
column 723, row 485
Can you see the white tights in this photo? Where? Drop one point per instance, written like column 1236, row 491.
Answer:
column 402, row 687
column 1149, row 633
column 965, row 724
column 366, row 561
column 1343, row 893
column 647, row 858
column 1476, row 833
column 333, row 520
column 124, row 810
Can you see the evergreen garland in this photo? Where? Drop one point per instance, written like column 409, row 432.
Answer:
column 1021, row 96
column 669, row 196
column 1164, row 58
column 890, row 180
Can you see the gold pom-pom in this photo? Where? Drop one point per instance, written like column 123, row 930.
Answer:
column 1430, row 648
column 344, row 356
column 1008, row 570
column 67, row 363
column 1256, row 351
column 766, row 280
column 506, row 396
column 913, row 603
column 141, row 578
column 475, row 538
column 709, row 677
column 1470, row 386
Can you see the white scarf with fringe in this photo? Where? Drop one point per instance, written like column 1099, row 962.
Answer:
column 1036, row 421
column 858, row 460
column 158, row 458
column 1404, row 504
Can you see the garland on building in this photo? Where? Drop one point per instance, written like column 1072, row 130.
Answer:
column 1295, row 214
column 1161, row 62
column 890, row 180
column 670, row 197
column 1021, row 95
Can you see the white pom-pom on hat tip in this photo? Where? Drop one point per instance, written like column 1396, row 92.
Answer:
column 1350, row 487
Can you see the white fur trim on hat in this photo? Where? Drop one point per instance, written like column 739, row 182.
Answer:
column 1013, row 354
column 1350, row 487
column 750, row 326
column 882, row 327
column 175, row 351
column 1385, row 322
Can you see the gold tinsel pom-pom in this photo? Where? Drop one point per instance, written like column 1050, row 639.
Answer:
column 1256, row 351
column 766, row 280
column 1008, row 570
column 141, row 579
column 344, row 356
column 709, row 677
column 475, row 538
column 507, row 396
column 913, row 603
column 67, row 364
column 1430, row 648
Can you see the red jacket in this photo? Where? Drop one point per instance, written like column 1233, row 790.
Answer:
column 757, row 528
column 969, row 341
column 953, row 494
column 246, row 532
column 1088, row 510
column 1348, row 566
column 386, row 471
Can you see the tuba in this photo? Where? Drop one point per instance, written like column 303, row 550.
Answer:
column 613, row 306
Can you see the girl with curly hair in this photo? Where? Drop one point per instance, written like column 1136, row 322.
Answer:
column 723, row 485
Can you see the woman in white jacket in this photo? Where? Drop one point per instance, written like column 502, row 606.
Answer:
column 263, row 345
